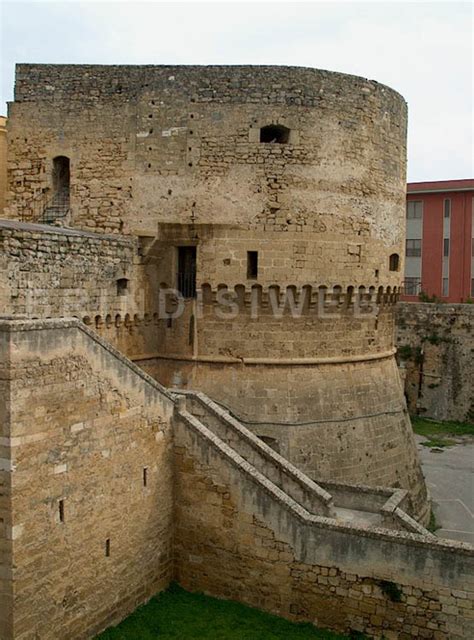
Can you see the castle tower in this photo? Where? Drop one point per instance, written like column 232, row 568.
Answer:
column 250, row 188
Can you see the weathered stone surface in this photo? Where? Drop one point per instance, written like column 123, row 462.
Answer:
column 201, row 514
column 72, row 489
column 436, row 357
column 174, row 155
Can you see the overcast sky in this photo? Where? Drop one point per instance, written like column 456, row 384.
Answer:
column 422, row 49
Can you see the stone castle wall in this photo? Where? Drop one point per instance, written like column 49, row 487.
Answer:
column 3, row 163
column 178, row 157
column 52, row 272
column 180, row 145
column 201, row 514
column 239, row 538
column 88, row 525
column 435, row 352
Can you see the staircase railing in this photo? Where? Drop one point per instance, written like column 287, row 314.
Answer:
column 57, row 208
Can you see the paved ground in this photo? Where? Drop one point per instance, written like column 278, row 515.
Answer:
column 449, row 474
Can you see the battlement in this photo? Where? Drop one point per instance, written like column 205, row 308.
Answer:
column 304, row 299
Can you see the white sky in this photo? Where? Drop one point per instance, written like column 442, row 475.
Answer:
column 424, row 50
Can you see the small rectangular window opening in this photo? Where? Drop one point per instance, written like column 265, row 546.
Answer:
column 61, row 510
column 145, row 476
column 252, row 265
column 107, row 548
column 122, row 286
column 446, row 247
column 447, row 208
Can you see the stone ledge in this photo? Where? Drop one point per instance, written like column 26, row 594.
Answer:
column 11, row 325
column 268, row 361
column 47, row 229
column 322, row 522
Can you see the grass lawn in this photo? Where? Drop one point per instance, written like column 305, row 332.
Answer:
column 441, row 434
column 177, row 614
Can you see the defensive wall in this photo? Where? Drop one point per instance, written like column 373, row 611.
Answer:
column 128, row 486
column 436, row 358
column 268, row 350
column 86, row 456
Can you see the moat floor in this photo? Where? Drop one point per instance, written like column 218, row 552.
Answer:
column 179, row 615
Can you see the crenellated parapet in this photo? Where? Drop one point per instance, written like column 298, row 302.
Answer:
column 305, row 299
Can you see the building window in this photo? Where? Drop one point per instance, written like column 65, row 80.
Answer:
column 446, row 247
column 447, row 208
column 252, row 265
column 412, row 286
column 414, row 209
column 445, row 287
column 394, row 262
column 413, row 248
column 122, row 286
column 275, row 133
column 186, row 276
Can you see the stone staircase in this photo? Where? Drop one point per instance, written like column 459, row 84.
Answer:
column 344, row 503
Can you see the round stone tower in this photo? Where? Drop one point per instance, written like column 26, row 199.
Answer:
column 273, row 198
column 295, row 195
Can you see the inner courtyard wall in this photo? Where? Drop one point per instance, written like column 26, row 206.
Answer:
column 6, row 524
column 201, row 514
column 92, row 497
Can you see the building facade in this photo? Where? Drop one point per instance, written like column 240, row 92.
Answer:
column 440, row 240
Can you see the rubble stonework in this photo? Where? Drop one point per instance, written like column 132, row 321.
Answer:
column 435, row 353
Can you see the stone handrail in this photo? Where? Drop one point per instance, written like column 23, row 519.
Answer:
column 15, row 323
column 270, row 464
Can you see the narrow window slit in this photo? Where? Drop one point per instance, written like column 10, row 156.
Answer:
column 61, row 510
column 252, row 265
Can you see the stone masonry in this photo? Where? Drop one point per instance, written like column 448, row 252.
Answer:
column 301, row 171
column 197, row 357
column 109, row 496
column 436, row 357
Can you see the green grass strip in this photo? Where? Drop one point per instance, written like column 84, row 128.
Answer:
column 176, row 614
